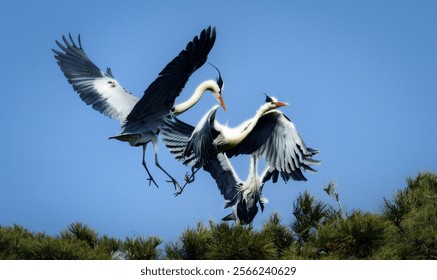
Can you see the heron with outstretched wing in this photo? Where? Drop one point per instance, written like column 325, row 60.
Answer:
column 269, row 134
column 140, row 118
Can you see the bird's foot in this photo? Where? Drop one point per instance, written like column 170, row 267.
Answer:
column 178, row 192
column 189, row 178
column 151, row 180
column 176, row 186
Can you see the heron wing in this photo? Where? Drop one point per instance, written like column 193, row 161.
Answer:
column 187, row 143
column 224, row 175
column 94, row 86
column 256, row 138
column 176, row 134
column 179, row 136
column 201, row 140
column 159, row 97
column 276, row 138
column 285, row 151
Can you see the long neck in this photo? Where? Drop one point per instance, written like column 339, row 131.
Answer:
column 198, row 92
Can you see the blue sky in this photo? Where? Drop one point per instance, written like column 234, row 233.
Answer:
column 360, row 77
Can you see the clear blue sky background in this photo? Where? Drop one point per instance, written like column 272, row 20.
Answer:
column 360, row 77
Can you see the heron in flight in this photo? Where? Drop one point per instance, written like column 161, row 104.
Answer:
column 140, row 118
column 242, row 197
column 269, row 134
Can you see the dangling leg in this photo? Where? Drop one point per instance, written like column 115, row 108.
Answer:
column 150, row 179
column 189, row 179
column 172, row 180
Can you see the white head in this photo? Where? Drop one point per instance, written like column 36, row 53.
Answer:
column 272, row 103
column 214, row 86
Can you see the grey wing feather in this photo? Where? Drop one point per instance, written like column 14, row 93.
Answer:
column 95, row 87
column 176, row 134
column 285, row 151
column 256, row 138
column 187, row 143
column 159, row 97
column 201, row 141
column 179, row 136
column 276, row 138
column 227, row 180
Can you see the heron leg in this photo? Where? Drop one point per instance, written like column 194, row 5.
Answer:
column 189, row 179
column 172, row 180
column 150, row 179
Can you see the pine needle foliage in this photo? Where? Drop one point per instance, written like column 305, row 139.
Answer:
column 279, row 234
column 419, row 192
column 413, row 211
column 356, row 237
column 237, row 242
column 192, row 244
column 79, row 231
column 309, row 213
column 142, row 248
column 405, row 228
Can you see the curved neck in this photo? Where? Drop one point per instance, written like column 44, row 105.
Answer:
column 198, row 92
column 236, row 138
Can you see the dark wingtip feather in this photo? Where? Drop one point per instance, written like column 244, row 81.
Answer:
column 313, row 151
column 79, row 41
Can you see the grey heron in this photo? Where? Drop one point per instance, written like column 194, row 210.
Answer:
column 269, row 134
column 140, row 118
column 242, row 196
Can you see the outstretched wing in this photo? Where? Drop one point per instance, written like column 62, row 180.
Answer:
column 188, row 144
column 159, row 97
column 224, row 175
column 276, row 138
column 176, row 134
column 191, row 144
column 95, row 87
column 285, row 151
column 201, row 140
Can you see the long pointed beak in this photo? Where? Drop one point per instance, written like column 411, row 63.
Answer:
column 280, row 104
column 222, row 103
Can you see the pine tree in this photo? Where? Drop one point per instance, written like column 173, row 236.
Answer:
column 192, row 244
column 309, row 214
column 356, row 237
column 141, row 248
column 279, row 234
column 237, row 242
column 413, row 211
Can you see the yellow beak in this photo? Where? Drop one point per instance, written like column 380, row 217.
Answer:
column 280, row 104
column 222, row 103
